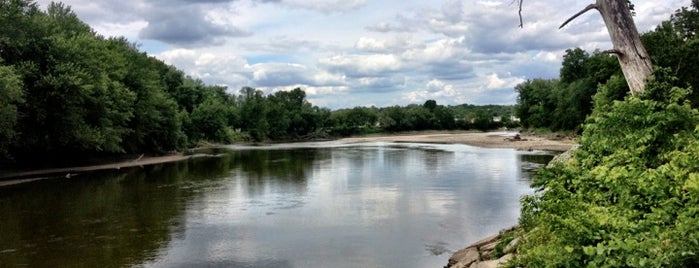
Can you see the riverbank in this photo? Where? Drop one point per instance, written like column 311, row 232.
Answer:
column 18, row 177
column 518, row 141
column 480, row 139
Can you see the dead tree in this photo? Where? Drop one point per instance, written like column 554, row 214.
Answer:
column 633, row 58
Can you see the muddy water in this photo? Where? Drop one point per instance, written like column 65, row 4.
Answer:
column 359, row 205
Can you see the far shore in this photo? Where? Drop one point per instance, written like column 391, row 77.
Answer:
column 525, row 142
column 503, row 139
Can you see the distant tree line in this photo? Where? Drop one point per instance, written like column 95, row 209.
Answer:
column 564, row 103
column 67, row 91
column 429, row 116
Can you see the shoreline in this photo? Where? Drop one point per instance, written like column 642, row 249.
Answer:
column 19, row 177
column 501, row 139
column 527, row 142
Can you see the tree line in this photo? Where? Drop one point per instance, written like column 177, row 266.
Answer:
column 428, row 116
column 67, row 91
column 564, row 103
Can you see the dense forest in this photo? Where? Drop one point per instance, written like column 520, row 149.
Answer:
column 564, row 103
column 629, row 195
column 67, row 91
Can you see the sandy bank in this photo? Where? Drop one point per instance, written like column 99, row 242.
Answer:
column 12, row 178
column 481, row 139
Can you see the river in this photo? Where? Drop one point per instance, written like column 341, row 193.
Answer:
column 376, row 204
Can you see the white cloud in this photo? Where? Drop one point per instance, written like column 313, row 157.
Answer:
column 496, row 82
column 362, row 65
column 116, row 29
column 371, row 44
column 326, row 5
column 227, row 70
column 357, row 52
column 547, row 57
column 437, row 90
column 447, row 49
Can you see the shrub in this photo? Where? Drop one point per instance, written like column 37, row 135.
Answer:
column 629, row 197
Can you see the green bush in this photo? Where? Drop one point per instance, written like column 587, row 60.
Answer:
column 629, row 197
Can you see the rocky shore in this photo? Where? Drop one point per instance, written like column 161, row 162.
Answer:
column 489, row 252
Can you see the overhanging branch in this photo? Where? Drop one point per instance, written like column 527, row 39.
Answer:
column 521, row 24
column 586, row 9
column 613, row 51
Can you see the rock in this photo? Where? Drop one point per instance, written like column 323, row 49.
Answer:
column 506, row 258
column 479, row 253
column 485, row 264
column 490, row 246
column 512, row 245
column 463, row 258
column 492, row 263
column 486, row 240
column 563, row 157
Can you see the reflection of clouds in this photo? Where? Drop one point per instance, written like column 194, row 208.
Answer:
column 372, row 205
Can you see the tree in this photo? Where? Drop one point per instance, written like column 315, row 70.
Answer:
column 581, row 73
column 629, row 196
column 394, row 118
column 430, row 105
column 444, row 118
column 11, row 94
column 85, row 107
column 632, row 55
column 633, row 58
column 536, row 102
column 288, row 114
column 210, row 119
column 674, row 44
column 253, row 113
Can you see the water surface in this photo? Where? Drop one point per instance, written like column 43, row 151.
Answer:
column 302, row 205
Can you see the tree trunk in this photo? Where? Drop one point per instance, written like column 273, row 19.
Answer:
column 632, row 55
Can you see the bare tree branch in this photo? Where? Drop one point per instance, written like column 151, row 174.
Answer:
column 586, row 9
column 521, row 24
column 613, row 51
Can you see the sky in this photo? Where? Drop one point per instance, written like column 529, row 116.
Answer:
column 348, row 53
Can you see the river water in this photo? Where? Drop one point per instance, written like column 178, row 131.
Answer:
column 295, row 205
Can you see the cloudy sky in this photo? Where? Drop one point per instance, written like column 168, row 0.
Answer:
column 347, row 53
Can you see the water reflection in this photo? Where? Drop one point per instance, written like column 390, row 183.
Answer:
column 365, row 205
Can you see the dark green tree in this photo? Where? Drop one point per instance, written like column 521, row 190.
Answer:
column 536, row 102
column 430, row 105
column 210, row 119
column 674, row 44
column 11, row 95
column 253, row 113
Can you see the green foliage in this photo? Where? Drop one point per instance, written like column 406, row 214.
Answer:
column 358, row 120
column 11, row 95
column 83, row 94
column 210, row 120
column 85, row 109
column 290, row 115
column 630, row 195
column 429, row 116
column 535, row 102
column 565, row 103
column 674, row 44
column 615, row 89
column 484, row 117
